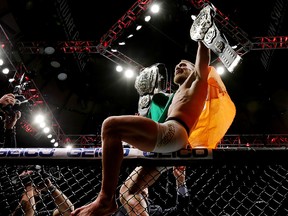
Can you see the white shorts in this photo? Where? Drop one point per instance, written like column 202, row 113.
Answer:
column 171, row 137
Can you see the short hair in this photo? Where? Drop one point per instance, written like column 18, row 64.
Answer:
column 184, row 60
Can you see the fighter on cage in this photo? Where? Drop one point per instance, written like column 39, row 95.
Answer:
column 198, row 114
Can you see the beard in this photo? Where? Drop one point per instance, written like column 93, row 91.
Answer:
column 180, row 78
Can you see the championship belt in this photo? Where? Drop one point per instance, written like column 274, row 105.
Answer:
column 204, row 29
column 150, row 79
column 145, row 82
column 144, row 104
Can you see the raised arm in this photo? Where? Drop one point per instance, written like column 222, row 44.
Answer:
column 202, row 61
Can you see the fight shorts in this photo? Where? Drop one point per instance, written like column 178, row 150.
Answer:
column 172, row 136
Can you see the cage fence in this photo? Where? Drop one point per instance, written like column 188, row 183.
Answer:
column 247, row 181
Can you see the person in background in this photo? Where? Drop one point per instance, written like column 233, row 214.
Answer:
column 27, row 204
column 8, row 121
column 182, row 201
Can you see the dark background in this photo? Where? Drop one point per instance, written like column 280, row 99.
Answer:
column 88, row 96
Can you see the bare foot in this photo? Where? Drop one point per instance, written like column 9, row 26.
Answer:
column 99, row 207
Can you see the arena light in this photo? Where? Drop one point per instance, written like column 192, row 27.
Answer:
column 55, row 64
column 49, row 50
column 138, row 27
column 46, row 130
column 147, row 18
column 155, row 8
column 119, row 68
column 42, row 124
column 220, row 69
column 5, row 71
column 39, row 118
column 129, row 36
column 129, row 73
column 62, row 76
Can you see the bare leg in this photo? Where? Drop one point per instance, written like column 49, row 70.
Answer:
column 137, row 131
column 105, row 202
column 135, row 189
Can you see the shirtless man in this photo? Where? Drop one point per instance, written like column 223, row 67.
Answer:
column 150, row 136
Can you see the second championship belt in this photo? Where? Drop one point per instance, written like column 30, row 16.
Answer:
column 204, row 29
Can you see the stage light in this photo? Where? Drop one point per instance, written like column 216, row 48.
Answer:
column 49, row 50
column 55, row 64
column 129, row 73
column 122, row 43
column 119, row 68
column 46, row 130
column 62, row 76
column 42, row 124
column 155, row 8
column 129, row 36
column 220, row 70
column 147, row 18
column 56, row 144
column 5, row 71
column 52, row 140
column 1, row 62
column 113, row 50
column 138, row 27
column 39, row 118
column 49, row 136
